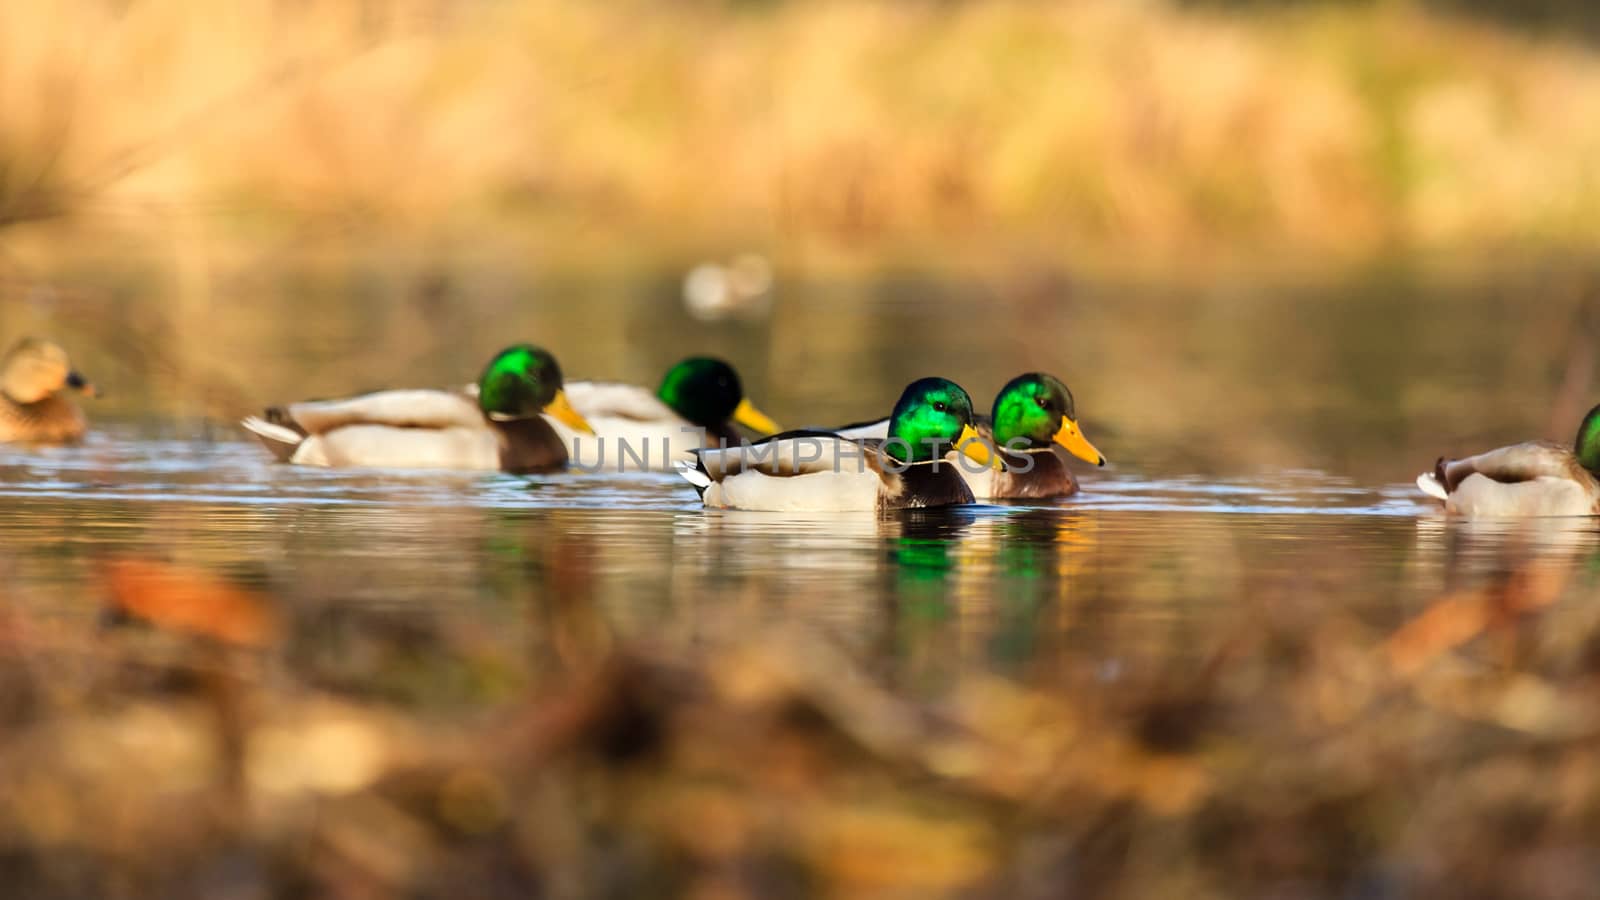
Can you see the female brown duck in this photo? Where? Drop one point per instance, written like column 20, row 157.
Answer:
column 34, row 409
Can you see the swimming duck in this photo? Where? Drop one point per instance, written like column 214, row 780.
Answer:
column 34, row 376
column 822, row 471
column 636, row 429
column 1033, row 416
column 502, row 429
column 1537, row 478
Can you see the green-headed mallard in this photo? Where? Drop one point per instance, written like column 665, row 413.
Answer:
column 1537, row 478
column 502, row 429
column 34, row 409
column 637, row 429
column 822, row 471
column 1034, row 419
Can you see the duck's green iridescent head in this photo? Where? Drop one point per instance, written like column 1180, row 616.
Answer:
column 1587, row 445
column 1036, row 410
column 933, row 415
column 706, row 391
column 523, row 381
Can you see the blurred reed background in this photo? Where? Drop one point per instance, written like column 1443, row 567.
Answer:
column 223, row 206
column 1150, row 131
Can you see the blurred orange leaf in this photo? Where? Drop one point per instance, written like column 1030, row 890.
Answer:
column 182, row 598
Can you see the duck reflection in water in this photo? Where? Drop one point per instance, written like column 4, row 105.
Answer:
column 1501, row 579
column 981, row 588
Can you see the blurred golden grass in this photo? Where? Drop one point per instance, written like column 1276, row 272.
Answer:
column 1136, row 128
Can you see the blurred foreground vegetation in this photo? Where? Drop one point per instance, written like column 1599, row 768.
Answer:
column 205, row 738
column 1109, row 131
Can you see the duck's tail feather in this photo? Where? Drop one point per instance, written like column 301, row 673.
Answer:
column 695, row 475
column 1430, row 485
column 280, row 439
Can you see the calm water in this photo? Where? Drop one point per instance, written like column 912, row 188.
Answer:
column 1135, row 574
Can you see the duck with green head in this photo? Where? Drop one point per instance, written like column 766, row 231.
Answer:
column 1034, row 422
column 502, row 428
column 1536, row 478
column 823, row 471
column 635, row 429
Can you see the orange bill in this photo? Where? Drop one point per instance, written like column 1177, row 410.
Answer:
column 1072, row 438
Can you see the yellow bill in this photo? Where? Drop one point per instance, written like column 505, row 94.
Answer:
column 754, row 419
column 1071, row 438
column 974, row 447
column 563, row 412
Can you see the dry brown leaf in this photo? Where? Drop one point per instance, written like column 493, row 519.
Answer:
column 186, row 599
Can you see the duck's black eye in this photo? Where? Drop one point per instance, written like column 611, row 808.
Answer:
column 940, row 407
column 1043, row 403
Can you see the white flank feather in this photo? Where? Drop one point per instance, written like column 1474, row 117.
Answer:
column 1478, row 496
column 805, row 473
column 843, row 491
column 380, row 446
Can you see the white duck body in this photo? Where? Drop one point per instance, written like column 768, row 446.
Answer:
column 820, row 472
column 408, row 429
column 634, row 430
column 1537, row 478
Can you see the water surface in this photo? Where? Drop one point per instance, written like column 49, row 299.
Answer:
column 1135, row 570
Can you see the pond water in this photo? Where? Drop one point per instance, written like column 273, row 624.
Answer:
column 1262, row 435
column 1137, row 570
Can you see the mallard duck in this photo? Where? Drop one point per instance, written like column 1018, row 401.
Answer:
column 1033, row 416
column 34, row 408
column 502, row 429
column 1537, row 478
column 822, row 471
column 635, row 429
